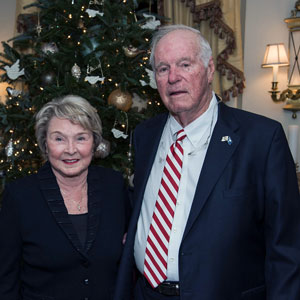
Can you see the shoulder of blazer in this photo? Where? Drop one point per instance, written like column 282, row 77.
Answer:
column 99, row 174
column 246, row 120
column 151, row 123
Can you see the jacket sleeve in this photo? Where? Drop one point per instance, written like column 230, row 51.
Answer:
column 282, row 222
column 10, row 248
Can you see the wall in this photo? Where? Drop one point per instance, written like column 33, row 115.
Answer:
column 7, row 26
column 264, row 24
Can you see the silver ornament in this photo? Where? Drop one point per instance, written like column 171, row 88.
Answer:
column 9, row 148
column 49, row 48
column 103, row 149
column 76, row 72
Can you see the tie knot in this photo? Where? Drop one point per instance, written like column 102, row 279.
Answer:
column 180, row 135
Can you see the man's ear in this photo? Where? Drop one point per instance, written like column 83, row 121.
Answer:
column 210, row 70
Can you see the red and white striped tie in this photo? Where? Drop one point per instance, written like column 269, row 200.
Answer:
column 156, row 256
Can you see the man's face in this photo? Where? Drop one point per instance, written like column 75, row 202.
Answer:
column 182, row 80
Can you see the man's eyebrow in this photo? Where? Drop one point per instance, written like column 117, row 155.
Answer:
column 161, row 64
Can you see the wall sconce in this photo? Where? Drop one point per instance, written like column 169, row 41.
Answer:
column 292, row 93
column 275, row 57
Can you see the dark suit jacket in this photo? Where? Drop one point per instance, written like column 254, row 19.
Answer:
column 242, row 237
column 41, row 257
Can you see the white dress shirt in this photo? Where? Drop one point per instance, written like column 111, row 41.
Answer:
column 195, row 146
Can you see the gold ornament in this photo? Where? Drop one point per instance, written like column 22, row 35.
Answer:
column 121, row 100
column 132, row 51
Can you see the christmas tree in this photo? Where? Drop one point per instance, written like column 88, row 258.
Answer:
column 97, row 49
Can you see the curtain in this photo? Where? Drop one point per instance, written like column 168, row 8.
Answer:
column 219, row 22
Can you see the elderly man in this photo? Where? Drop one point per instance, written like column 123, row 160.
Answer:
column 216, row 204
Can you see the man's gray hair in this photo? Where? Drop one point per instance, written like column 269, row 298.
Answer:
column 205, row 51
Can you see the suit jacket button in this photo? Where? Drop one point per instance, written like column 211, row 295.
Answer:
column 86, row 281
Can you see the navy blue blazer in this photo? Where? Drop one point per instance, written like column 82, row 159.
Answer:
column 242, row 237
column 41, row 257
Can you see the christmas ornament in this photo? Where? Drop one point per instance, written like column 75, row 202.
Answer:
column 132, row 51
column 13, row 71
column 9, row 148
column 93, row 13
column 94, row 79
column 76, row 72
column 38, row 27
column 152, row 81
column 121, row 100
column 48, row 78
column 49, row 48
column 12, row 92
column 103, row 149
column 90, row 69
column 150, row 23
column 139, row 103
column 120, row 122
column 119, row 134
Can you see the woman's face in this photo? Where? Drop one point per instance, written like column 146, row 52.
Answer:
column 69, row 146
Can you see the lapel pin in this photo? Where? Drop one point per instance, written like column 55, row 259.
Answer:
column 227, row 139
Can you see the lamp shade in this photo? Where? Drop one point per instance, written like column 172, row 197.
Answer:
column 275, row 55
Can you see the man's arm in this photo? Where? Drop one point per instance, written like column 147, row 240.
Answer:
column 282, row 222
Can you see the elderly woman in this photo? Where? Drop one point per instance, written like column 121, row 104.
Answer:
column 61, row 229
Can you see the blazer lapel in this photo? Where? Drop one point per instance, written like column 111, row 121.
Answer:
column 217, row 157
column 144, row 161
column 51, row 193
column 94, row 207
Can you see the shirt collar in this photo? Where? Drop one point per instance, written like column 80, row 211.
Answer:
column 197, row 129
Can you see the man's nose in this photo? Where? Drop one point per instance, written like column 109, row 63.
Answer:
column 174, row 75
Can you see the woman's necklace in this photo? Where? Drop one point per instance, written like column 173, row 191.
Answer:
column 69, row 197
